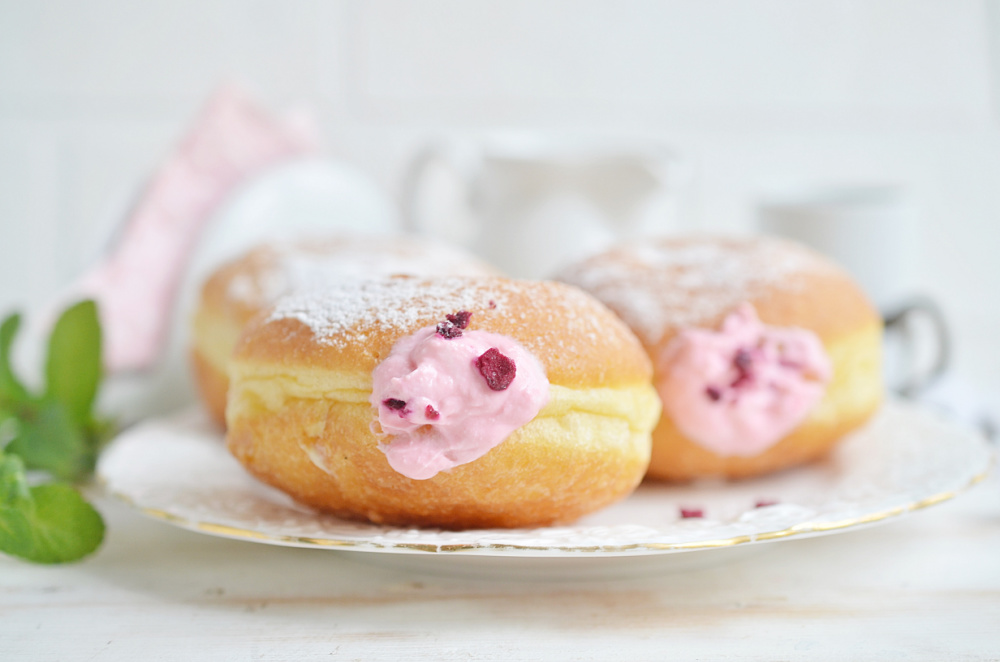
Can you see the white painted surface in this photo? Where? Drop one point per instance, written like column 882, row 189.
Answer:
column 925, row 587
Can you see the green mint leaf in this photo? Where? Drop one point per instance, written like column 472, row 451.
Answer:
column 13, row 485
column 49, row 439
column 11, row 388
column 53, row 525
column 73, row 365
column 9, row 426
column 100, row 431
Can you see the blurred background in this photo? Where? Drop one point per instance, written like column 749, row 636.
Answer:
column 748, row 98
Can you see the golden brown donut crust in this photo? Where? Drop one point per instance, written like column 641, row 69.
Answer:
column 312, row 436
column 668, row 284
column 580, row 343
column 213, row 385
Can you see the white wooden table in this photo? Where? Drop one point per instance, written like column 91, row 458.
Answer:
column 922, row 587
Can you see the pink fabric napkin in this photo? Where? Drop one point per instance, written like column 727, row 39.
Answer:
column 136, row 283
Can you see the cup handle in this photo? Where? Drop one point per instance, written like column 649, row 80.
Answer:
column 900, row 321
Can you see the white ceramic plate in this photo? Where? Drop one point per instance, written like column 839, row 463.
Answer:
column 177, row 469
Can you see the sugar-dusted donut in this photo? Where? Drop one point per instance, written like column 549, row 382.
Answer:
column 765, row 353
column 456, row 402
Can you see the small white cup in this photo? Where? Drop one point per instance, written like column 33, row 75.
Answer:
column 866, row 229
column 869, row 230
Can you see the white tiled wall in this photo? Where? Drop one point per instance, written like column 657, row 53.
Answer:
column 751, row 93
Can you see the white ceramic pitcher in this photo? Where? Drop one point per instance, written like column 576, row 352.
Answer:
column 530, row 204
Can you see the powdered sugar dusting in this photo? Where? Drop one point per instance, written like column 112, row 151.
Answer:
column 660, row 285
column 547, row 318
column 397, row 302
column 286, row 268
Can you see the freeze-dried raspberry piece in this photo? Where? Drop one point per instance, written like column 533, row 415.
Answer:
column 448, row 330
column 431, row 413
column 743, row 361
column 692, row 513
column 497, row 369
column 460, row 319
column 394, row 404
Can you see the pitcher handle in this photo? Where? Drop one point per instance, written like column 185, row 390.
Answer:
column 461, row 159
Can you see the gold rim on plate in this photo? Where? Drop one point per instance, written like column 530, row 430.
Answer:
column 980, row 453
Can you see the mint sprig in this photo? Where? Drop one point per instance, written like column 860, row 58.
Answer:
column 48, row 523
column 54, row 432
column 73, row 364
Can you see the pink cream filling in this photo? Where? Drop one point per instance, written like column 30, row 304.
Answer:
column 437, row 404
column 739, row 390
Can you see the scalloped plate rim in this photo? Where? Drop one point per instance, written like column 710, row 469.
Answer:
column 494, row 550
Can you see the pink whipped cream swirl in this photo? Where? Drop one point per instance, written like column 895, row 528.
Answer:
column 739, row 390
column 447, row 396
